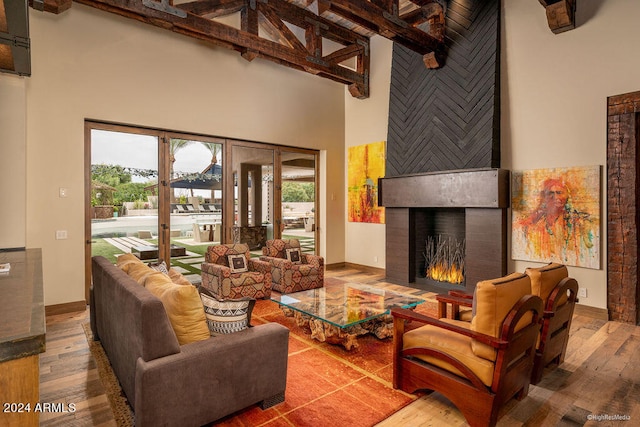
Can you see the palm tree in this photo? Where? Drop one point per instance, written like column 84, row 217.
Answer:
column 214, row 148
column 174, row 146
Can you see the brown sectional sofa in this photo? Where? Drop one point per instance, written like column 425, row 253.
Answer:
column 190, row 385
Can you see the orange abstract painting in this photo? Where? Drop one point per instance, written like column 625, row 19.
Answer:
column 556, row 216
column 366, row 164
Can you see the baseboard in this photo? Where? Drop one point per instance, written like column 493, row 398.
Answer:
column 68, row 307
column 594, row 312
column 365, row 268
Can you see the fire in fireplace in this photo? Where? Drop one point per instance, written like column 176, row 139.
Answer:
column 444, row 259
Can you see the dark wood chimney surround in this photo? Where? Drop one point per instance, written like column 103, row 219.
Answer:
column 484, row 195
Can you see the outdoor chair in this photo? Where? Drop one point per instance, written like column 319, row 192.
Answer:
column 478, row 366
column 200, row 235
column 145, row 234
column 292, row 270
column 229, row 272
column 559, row 295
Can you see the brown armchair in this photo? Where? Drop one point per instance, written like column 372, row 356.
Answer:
column 478, row 366
column 559, row 295
column 219, row 278
column 289, row 276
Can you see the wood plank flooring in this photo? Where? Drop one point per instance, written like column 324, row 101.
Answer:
column 600, row 376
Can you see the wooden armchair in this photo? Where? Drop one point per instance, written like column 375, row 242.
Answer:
column 480, row 365
column 558, row 293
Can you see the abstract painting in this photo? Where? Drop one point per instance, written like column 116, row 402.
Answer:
column 556, row 216
column 366, row 164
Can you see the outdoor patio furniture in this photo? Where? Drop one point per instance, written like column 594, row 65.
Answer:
column 145, row 234
column 200, row 235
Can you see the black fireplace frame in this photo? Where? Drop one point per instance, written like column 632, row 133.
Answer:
column 482, row 193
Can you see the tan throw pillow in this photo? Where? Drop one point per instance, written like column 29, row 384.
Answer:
column 139, row 272
column 294, row 255
column 177, row 278
column 124, row 261
column 238, row 263
column 183, row 306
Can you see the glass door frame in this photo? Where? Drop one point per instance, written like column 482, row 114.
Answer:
column 164, row 180
column 164, row 188
column 228, row 220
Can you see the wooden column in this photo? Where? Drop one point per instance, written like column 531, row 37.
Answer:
column 623, row 301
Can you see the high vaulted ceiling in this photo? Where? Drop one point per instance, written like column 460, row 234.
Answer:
column 328, row 38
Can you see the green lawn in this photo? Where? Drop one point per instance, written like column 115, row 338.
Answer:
column 107, row 250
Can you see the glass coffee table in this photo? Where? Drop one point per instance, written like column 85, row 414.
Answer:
column 339, row 313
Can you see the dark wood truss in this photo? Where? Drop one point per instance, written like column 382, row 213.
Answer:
column 290, row 33
column 561, row 14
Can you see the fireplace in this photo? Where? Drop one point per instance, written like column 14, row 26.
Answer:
column 440, row 246
column 456, row 216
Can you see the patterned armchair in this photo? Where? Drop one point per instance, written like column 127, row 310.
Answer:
column 218, row 277
column 288, row 276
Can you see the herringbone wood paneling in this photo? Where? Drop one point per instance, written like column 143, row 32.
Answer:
column 448, row 118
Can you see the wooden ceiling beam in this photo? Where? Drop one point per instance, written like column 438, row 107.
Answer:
column 51, row 6
column 382, row 17
column 213, row 8
column 247, row 41
column 561, row 14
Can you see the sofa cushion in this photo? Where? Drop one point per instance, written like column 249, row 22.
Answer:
column 125, row 260
column 492, row 301
column 183, row 306
column 228, row 316
column 177, row 278
column 455, row 345
column 545, row 279
column 139, row 272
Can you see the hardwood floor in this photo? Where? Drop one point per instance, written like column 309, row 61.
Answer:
column 600, row 376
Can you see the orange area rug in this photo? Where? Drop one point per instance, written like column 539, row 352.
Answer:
column 326, row 384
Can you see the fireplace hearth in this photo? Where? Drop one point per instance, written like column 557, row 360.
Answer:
column 466, row 208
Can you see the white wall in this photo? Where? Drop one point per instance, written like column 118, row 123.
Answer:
column 13, row 165
column 366, row 121
column 91, row 64
column 554, row 95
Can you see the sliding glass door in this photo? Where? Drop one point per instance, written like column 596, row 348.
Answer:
column 298, row 177
column 168, row 196
column 253, row 188
column 123, row 193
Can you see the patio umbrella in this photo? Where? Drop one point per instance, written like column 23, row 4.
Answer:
column 208, row 179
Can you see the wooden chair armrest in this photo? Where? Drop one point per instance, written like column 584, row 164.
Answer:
column 461, row 294
column 408, row 315
column 464, row 302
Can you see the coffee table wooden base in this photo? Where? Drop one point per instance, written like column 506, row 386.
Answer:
column 381, row 327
